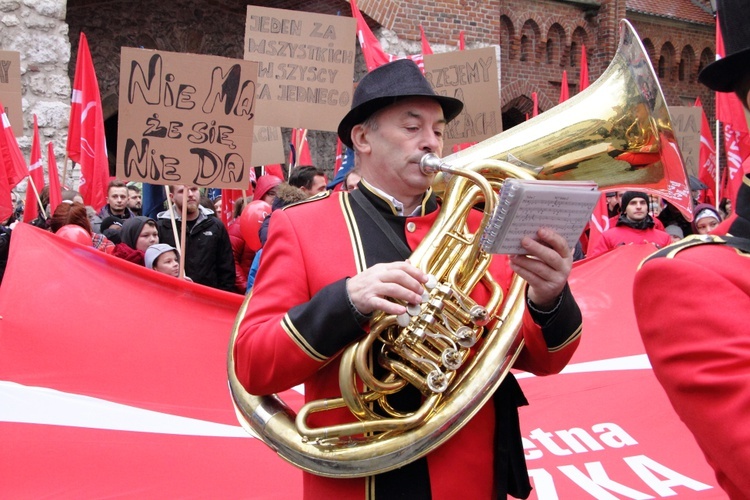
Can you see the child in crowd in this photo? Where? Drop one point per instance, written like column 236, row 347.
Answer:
column 164, row 259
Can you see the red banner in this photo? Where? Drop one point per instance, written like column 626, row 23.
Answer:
column 98, row 404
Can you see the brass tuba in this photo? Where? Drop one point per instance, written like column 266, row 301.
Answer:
column 455, row 351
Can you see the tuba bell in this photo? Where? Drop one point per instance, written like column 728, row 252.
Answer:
column 453, row 350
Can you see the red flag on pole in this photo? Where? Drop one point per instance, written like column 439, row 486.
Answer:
column 731, row 113
column 584, row 77
column 12, row 166
column 275, row 170
column 707, row 172
column 36, row 178
column 11, row 157
column 426, row 49
column 371, row 49
column 461, row 41
column 55, row 193
column 86, row 140
column 564, row 90
column 535, row 100
column 300, row 154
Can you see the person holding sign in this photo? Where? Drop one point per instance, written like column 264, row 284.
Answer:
column 315, row 292
column 208, row 252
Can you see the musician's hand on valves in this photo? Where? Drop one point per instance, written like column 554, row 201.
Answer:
column 371, row 289
column 546, row 268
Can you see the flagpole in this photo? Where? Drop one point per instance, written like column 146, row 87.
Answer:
column 65, row 169
column 170, row 209
column 42, row 210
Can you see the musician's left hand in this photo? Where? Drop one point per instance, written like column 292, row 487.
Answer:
column 546, row 268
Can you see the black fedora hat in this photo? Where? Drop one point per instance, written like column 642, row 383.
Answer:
column 386, row 85
column 734, row 22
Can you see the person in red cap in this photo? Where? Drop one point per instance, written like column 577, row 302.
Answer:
column 333, row 261
column 696, row 334
column 265, row 188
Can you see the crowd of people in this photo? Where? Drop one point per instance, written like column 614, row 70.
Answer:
column 215, row 255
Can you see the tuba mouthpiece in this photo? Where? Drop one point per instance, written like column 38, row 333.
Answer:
column 431, row 163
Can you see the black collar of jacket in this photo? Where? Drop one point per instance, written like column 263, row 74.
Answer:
column 429, row 201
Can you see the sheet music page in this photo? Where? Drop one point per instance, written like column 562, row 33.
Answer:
column 526, row 206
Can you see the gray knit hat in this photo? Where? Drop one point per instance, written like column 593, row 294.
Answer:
column 154, row 251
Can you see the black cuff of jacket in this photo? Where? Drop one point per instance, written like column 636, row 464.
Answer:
column 326, row 321
column 560, row 324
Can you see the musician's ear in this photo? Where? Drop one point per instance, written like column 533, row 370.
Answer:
column 360, row 139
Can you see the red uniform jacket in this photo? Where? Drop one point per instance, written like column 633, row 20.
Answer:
column 696, row 336
column 299, row 319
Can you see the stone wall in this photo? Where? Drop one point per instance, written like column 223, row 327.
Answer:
column 37, row 29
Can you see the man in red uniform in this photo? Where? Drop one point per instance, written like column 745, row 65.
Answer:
column 696, row 333
column 316, row 290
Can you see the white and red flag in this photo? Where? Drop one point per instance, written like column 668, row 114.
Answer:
column 55, row 191
column 36, row 178
column 12, row 166
column 599, row 223
column 87, row 143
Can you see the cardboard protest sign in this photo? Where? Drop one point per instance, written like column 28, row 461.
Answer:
column 268, row 146
column 686, row 122
column 185, row 119
column 473, row 77
column 306, row 66
column 10, row 89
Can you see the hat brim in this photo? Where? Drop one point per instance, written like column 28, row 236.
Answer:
column 451, row 109
column 724, row 74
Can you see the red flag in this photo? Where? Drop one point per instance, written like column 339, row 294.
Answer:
column 11, row 158
column 86, row 140
column 738, row 150
column 371, row 49
column 731, row 113
column 461, row 41
column 12, row 166
column 564, row 90
column 300, row 154
column 707, row 157
column 583, row 79
column 55, row 193
column 426, row 49
column 275, row 170
column 535, row 100
column 599, row 221
column 36, row 178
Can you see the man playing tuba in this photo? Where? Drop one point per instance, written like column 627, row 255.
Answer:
column 317, row 288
